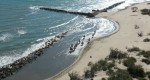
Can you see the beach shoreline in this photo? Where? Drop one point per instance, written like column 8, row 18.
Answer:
column 63, row 75
column 82, row 52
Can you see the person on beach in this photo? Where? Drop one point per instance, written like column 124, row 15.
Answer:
column 89, row 40
column 82, row 43
column 83, row 37
column 79, row 41
column 71, row 49
column 93, row 34
column 75, row 46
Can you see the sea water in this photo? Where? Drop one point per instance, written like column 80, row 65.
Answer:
column 24, row 28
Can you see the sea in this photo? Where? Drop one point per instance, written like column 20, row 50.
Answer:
column 24, row 28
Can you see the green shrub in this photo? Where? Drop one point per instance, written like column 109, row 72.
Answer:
column 102, row 65
column 136, row 27
column 103, row 79
column 98, row 66
column 110, row 72
column 140, row 34
column 134, row 49
column 90, row 64
column 145, row 11
column 116, row 54
column 146, row 54
column 120, row 75
column 148, row 33
column 88, row 74
column 74, row 76
column 149, row 76
column 134, row 9
column 148, row 73
column 146, row 40
column 110, row 65
column 147, row 61
column 105, row 65
column 129, row 62
column 148, row 3
column 136, row 71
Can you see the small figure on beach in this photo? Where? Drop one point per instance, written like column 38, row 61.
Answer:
column 140, row 34
column 89, row 40
column 71, row 48
column 75, row 46
column 93, row 34
column 82, row 43
column 79, row 41
column 136, row 27
column 83, row 37
column 71, row 45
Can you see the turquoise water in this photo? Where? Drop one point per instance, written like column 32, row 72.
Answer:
column 23, row 29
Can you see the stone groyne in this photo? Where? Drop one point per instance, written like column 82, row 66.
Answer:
column 65, row 11
column 89, row 15
column 10, row 69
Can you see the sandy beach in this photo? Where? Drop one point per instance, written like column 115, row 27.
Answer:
column 126, row 37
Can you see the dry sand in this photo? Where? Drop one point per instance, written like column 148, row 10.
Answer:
column 125, row 37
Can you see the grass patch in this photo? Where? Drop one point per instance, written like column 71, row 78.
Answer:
column 98, row 66
column 136, row 27
column 142, row 79
column 113, row 72
column 140, row 34
column 120, row 75
column 129, row 62
column 146, row 61
column 136, row 71
column 146, row 40
column 148, row 3
column 90, row 64
column 148, row 74
column 146, row 54
column 134, row 49
column 88, row 74
column 74, row 76
column 145, row 12
column 103, row 79
column 116, row 54
column 148, row 33
column 134, row 9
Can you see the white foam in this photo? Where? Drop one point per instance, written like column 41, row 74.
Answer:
column 6, row 37
column 20, row 32
column 36, row 46
column 34, row 7
column 105, row 27
column 4, row 60
column 64, row 23
column 79, row 47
